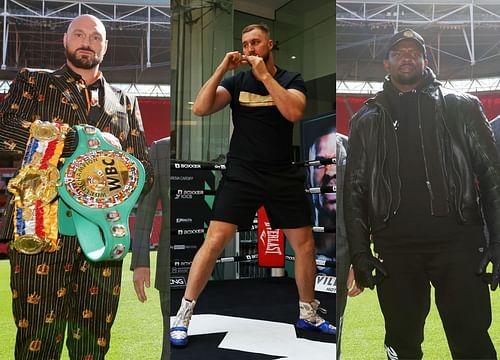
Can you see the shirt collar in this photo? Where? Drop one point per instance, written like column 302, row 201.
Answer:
column 99, row 83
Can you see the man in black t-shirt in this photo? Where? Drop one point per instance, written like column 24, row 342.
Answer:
column 265, row 101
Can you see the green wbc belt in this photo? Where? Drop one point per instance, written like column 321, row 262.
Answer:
column 100, row 186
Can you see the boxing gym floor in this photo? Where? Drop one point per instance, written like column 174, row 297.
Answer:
column 252, row 319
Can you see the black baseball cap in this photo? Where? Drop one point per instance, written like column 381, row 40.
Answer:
column 406, row 34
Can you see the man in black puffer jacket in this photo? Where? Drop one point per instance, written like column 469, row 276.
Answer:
column 421, row 179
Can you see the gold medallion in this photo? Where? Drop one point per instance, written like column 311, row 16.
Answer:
column 33, row 183
column 101, row 178
column 30, row 244
column 44, row 131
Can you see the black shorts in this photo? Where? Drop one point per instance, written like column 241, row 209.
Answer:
column 244, row 189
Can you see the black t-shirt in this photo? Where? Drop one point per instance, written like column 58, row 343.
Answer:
column 261, row 134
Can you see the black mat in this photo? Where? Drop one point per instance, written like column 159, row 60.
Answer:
column 272, row 299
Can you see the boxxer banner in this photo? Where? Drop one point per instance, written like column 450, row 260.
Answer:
column 192, row 195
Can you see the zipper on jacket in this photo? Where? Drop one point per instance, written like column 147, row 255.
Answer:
column 428, row 183
column 383, row 160
column 398, row 175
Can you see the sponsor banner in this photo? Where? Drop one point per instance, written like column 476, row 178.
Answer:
column 190, row 214
column 176, row 247
column 180, row 178
column 180, row 264
column 186, row 166
column 187, row 231
column 181, row 220
column 178, row 282
column 183, row 194
column 197, row 166
column 179, row 268
column 271, row 243
column 325, row 283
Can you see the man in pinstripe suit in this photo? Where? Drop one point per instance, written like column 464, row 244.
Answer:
column 160, row 158
column 59, row 288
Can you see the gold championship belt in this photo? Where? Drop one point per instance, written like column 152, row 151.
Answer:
column 34, row 189
column 100, row 186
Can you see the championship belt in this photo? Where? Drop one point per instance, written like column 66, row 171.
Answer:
column 34, row 189
column 100, row 186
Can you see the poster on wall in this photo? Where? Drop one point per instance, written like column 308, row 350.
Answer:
column 318, row 144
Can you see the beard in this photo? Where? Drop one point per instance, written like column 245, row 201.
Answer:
column 408, row 80
column 83, row 62
column 330, row 203
column 265, row 57
column 327, row 213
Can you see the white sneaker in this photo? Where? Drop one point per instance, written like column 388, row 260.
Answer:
column 179, row 328
column 309, row 318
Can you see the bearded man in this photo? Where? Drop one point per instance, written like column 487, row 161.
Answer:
column 55, row 288
column 422, row 176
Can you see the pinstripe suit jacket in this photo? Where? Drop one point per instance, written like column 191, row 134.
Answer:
column 54, row 96
column 160, row 157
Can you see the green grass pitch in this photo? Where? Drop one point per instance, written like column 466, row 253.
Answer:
column 136, row 333
column 363, row 336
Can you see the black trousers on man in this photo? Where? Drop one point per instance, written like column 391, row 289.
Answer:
column 462, row 299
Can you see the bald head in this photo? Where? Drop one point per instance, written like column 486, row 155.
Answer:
column 87, row 21
column 85, row 42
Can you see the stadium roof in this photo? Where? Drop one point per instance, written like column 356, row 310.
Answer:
column 132, row 2
column 462, row 37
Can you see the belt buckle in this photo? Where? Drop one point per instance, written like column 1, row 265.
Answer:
column 30, row 244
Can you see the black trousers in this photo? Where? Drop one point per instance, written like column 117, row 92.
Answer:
column 59, row 292
column 462, row 299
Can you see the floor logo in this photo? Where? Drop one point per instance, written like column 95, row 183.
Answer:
column 260, row 337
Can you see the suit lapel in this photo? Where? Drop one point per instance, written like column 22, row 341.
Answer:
column 70, row 92
column 111, row 106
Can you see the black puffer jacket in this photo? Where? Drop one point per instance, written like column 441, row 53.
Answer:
column 467, row 158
